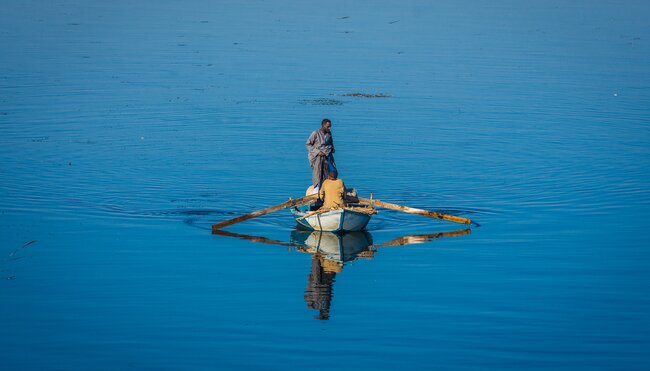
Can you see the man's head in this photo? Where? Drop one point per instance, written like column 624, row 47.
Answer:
column 333, row 174
column 325, row 126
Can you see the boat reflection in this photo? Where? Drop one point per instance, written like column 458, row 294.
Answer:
column 330, row 251
column 338, row 248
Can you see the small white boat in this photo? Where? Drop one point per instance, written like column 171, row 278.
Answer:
column 348, row 219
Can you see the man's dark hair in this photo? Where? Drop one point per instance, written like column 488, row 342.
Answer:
column 325, row 121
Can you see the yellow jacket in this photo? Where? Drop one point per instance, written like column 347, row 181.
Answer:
column 331, row 192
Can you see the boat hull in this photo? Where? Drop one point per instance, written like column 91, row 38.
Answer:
column 339, row 220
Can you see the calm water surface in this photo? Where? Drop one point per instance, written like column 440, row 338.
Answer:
column 127, row 129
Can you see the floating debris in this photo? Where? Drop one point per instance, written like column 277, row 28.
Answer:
column 22, row 247
column 393, row 22
column 322, row 102
column 364, row 95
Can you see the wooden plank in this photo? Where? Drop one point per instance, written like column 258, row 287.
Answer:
column 297, row 202
column 412, row 210
column 312, row 213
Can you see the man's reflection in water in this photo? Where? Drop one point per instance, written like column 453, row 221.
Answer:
column 318, row 294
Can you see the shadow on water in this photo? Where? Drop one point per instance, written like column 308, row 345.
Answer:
column 331, row 251
column 122, row 211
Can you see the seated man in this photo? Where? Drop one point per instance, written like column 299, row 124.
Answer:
column 332, row 191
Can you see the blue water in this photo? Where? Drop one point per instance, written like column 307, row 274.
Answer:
column 128, row 127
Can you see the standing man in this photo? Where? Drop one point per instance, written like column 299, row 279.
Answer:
column 320, row 151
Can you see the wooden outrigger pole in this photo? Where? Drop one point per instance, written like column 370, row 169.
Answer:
column 292, row 202
column 312, row 198
column 411, row 210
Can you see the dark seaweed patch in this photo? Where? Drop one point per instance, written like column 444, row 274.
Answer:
column 364, row 95
column 322, row 102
